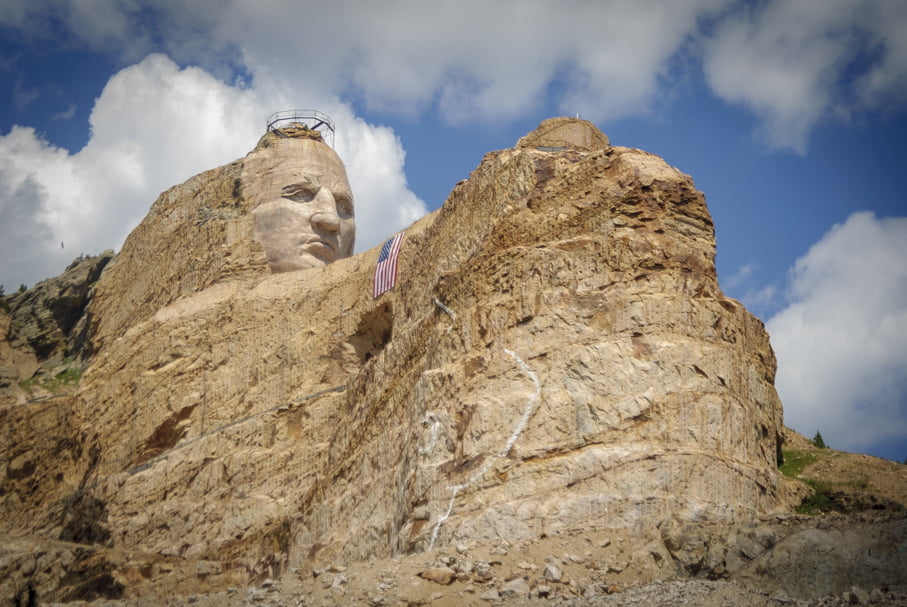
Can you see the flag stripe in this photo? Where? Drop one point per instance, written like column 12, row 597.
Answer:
column 386, row 270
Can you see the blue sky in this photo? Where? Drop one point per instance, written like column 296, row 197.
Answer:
column 790, row 116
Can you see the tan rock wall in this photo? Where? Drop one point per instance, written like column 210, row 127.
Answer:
column 586, row 373
column 195, row 235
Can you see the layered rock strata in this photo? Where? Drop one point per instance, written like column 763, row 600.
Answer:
column 557, row 355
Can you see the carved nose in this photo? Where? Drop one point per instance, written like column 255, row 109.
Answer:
column 325, row 216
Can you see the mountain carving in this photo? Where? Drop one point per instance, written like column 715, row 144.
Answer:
column 556, row 358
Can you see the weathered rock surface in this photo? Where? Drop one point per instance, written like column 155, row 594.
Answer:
column 195, row 235
column 50, row 315
column 565, row 133
column 44, row 337
column 556, row 359
column 593, row 376
column 17, row 361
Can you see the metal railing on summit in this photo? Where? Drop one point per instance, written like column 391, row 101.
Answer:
column 315, row 120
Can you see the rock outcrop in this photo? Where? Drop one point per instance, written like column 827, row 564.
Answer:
column 44, row 339
column 17, row 361
column 556, row 357
column 50, row 315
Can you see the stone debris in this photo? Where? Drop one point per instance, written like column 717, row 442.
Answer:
column 482, row 570
column 439, row 575
column 857, row 596
column 517, row 587
column 491, row 595
column 338, row 585
column 552, row 573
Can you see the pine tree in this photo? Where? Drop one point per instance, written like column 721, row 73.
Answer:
column 818, row 442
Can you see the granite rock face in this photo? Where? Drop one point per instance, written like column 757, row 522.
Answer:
column 556, row 356
column 44, row 333
column 195, row 235
column 50, row 315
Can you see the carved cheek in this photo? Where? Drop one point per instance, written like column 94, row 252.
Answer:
column 282, row 222
column 347, row 235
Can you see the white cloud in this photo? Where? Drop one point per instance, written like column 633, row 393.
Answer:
column 477, row 60
column 154, row 126
column 886, row 81
column 66, row 114
column 792, row 62
column 759, row 299
column 738, row 278
column 842, row 342
column 29, row 246
column 374, row 160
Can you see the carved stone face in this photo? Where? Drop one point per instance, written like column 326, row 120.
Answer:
column 304, row 207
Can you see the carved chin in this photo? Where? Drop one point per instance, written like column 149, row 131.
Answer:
column 291, row 264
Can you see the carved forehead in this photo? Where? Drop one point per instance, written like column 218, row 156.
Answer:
column 308, row 157
column 287, row 161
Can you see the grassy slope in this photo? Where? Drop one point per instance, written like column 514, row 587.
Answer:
column 843, row 482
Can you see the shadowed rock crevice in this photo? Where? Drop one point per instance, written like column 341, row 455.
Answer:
column 167, row 434
column 373, row 332
column 90, row 578
column 50, row 315
column 84, row 519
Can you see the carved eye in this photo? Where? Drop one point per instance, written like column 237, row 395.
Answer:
column 299, row 192
column 344, row 205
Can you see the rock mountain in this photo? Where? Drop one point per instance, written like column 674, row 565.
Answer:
column 556, row 360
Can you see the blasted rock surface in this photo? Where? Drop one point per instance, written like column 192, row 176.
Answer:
column 557, row 355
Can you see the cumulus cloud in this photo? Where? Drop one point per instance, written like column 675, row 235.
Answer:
column 797, row 62
column 154, row 126
column 842, row 342
column 793, row 63
column 738, row 278
column 28, row 243
column 474, row 60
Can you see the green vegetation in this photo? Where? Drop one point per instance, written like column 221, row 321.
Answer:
column 795, row 462
column 818, row 441
column 61, row 381
column 821, row 500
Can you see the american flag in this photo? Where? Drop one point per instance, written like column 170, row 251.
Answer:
column 386, row 270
